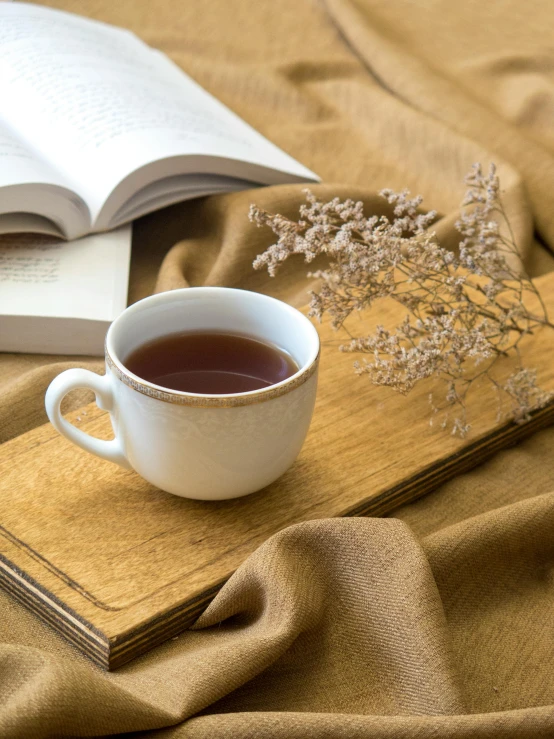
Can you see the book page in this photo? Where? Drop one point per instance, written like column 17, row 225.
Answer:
column 33, row 195
column 100, row 104
column 19, row 163
column 43, row 276
column 16, row 223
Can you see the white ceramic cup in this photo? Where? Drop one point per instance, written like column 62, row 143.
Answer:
column 208, row 447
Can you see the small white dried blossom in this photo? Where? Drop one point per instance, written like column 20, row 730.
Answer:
column 525, row 394
column 465, row 312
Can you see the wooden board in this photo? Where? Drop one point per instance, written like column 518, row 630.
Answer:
column 117, row 566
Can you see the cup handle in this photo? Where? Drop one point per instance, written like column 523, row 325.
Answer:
column 73, row 379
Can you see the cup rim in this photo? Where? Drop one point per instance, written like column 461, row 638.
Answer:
column 180, row 397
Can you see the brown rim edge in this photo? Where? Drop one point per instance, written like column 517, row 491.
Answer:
column 206, row 401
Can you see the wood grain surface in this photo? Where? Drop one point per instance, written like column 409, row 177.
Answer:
column 117, row 566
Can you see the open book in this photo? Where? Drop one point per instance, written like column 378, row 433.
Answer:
column 59, row 297
column 97, row 128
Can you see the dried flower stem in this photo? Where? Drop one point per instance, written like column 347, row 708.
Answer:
column 464, row 312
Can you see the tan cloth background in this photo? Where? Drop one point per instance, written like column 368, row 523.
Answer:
column 439, row 621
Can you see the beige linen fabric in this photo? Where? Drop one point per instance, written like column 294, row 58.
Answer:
column 437, row 621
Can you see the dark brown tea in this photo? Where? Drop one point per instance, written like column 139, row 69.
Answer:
column 211, row 363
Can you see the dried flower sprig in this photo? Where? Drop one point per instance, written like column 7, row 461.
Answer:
column 464, row 312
